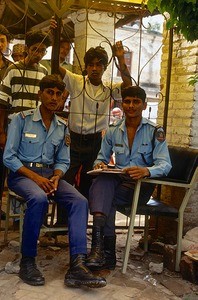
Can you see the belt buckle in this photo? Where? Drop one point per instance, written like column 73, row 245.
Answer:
column 38, row 165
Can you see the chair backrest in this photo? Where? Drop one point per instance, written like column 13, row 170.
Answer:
column 184, row 162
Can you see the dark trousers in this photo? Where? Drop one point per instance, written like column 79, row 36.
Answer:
column 37, row 206
column 83, row 152
column 109, row 191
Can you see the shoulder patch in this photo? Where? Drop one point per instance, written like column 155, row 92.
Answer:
column 26, row 113
column 160, row 134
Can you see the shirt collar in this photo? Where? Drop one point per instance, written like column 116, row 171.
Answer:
column 123, row 126
column 37, row 116
column 88, row 81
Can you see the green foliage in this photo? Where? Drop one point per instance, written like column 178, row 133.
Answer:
column 183, row 15
column 193, row 79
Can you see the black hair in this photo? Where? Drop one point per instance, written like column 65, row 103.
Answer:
column 5, row 32
column 34, row 37
column 133, row 91
column 98, row 52
column 52, row 81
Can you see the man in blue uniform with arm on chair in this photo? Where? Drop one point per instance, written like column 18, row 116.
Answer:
column 140, row 151
column 37, row 156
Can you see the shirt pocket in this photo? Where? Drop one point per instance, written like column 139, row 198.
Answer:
column 119, row 154
column 30, row 144
column 145, row 155
column 52, row 147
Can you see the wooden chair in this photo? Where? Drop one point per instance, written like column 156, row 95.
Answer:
column 184, row 174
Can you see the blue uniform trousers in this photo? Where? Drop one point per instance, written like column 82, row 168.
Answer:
column 109, row 191
column 37, row 205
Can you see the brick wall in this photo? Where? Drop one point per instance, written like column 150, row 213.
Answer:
column 182, row 122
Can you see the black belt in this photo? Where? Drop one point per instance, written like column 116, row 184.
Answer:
column 85, row 137
column 36, row 165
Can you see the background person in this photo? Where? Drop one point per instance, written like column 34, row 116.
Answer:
column 21, row 80
column 18, row 52
column 90, row 100
column 141, row 151
column 20, row 83
column 5, row 38
column 63, row 56
column 63, row 61
column 37, row 155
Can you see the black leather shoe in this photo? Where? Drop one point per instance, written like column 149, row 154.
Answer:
column 96, row 257
column 109, row 252
column 105, row 260
column 29, row 272
column 79, row 275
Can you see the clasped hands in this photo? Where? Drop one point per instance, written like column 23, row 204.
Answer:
column 49, row 185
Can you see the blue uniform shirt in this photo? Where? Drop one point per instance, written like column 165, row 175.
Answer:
column 29, row 141
column 147, row 149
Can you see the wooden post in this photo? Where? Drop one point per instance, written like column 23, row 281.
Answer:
column 56, row 43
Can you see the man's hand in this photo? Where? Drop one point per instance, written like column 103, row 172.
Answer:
column 118, row 49
column 44, row 183
column 55, row 180
column 137, row 172
column 53, row 23
column 100, row 165
column 48, row 185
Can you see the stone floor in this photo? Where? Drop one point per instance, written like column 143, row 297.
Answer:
column 138, row 283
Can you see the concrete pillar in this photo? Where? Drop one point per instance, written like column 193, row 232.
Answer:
column 92, row 29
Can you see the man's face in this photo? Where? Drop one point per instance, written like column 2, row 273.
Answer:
column 95, row 70
column 51, row 98
column 133, row 106
column 18, row 56
column 3, row 43
column 36, row 52
column 64, row 50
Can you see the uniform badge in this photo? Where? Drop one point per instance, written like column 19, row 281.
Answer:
column 67, row 140
column 160, row 134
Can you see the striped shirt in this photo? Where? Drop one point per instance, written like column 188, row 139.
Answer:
column 20, row 86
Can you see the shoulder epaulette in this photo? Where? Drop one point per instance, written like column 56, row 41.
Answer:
column 62, row 120
column 26, row 113
column 151, row 123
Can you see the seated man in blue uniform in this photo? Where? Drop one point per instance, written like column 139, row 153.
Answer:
column 37, row 155
column 140, row 151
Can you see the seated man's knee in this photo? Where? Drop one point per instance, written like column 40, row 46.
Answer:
column 39, row 198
